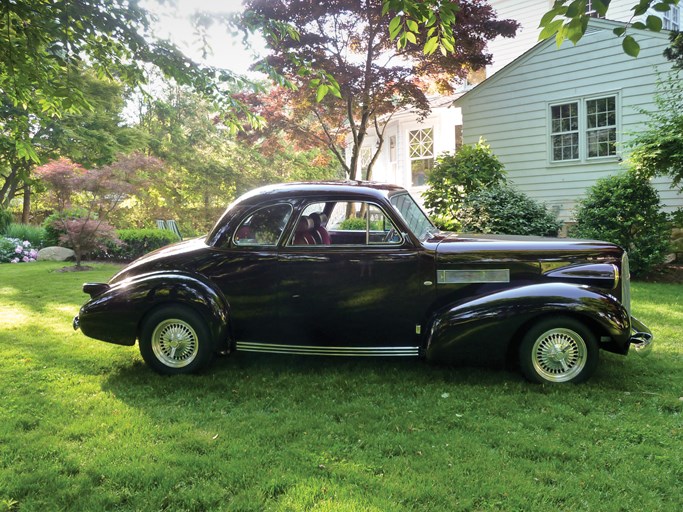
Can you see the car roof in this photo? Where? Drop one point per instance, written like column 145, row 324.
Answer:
column 354, row 189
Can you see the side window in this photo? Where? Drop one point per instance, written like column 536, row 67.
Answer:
column 264, row 226
column 345, row 223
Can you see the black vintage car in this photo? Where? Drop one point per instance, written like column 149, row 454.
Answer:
column 357, row 269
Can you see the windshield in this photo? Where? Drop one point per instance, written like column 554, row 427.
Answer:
column 413, row 215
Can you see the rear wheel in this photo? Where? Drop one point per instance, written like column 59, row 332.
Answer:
column 558, row 350
column 175, row 339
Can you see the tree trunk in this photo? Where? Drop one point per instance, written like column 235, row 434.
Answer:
column 26, row 211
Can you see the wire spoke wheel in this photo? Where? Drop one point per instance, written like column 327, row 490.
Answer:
column 559, row 355
column 175, row 343
column 557, row 350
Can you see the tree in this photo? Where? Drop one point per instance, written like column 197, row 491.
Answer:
column 90, row 137
column 348, row 72
column 207, row 166
column 658, row 149
column 97, row 192
column 45, row 45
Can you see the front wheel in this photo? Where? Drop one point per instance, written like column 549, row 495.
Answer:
column 175, row 339
column 558, row 350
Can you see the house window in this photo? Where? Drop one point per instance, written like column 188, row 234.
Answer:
column 590, row 10
column 365, row 159
column 672, row 18
column 421, row 154
column 565, row 131
column 601, row 127
column 583, row 129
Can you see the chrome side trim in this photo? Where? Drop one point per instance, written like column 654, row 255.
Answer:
column 473, row 276
column 274, row 348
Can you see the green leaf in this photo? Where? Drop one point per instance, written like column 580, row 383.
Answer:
column 639, row 25
column 394, row 27
column 548, row 17
column 412, row 26
column 641, row 8
column 661, row 7
column 447, row 42
column 576, row 28
column 411, row 37
column 322, row 92
column 654, row 23
column 431, row 45
column 619, row 31
column 575, row 8
column 601, row 6
column 550, row 30
column 631, row 46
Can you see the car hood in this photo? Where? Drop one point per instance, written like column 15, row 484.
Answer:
column 479, row 248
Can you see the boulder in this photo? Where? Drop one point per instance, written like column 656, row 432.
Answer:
column 55, row 253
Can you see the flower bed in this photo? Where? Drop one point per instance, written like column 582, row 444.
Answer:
column 13, row 250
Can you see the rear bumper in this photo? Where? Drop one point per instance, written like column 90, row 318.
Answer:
column 76, row 323
column 641, row 338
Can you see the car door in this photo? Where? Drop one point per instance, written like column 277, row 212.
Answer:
column 245, row 269
column 360, row 293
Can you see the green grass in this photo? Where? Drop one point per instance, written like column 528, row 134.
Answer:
column 86, row 426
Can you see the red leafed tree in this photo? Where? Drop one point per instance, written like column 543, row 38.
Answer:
column 345, row 46
column 96, row 192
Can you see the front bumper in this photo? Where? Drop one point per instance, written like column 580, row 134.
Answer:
column 642, row 338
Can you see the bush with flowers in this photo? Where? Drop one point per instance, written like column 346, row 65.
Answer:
column 13, row 250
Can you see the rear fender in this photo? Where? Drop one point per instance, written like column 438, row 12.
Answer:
column 482, row 329
column 116, row 314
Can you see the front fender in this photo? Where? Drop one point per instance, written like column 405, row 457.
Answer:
column 115, row 315
column 483, row 328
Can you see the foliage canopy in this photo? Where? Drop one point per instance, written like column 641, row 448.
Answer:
column 625, row 209
column 457, row 176
column 349, row 72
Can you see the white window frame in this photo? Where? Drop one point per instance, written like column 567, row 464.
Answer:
column 412, row 158
column 672, row 18
column 582, row 102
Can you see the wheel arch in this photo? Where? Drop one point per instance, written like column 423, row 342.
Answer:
column 515, row 342
column 494, row 324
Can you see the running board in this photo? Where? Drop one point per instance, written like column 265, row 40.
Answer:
column 314, row 350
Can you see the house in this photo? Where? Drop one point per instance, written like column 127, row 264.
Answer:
column 528, row 14
column 411, row 146
column 516, row 131
column 559, row 119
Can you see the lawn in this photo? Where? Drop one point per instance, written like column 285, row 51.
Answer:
column 84, row 425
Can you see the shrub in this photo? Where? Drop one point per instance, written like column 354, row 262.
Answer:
column 14, row 250
column 358, row 224
column 5, row 220
column 625, row 209
column 136, row 242
column 54, row 227
column 504, row 210
column 457, row 176
column 34, row 234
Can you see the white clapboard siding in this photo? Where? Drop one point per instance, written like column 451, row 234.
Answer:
column 510, row 110
column 528, row 14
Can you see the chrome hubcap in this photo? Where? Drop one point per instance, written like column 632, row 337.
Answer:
column 559, row 355
column 175, row 343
